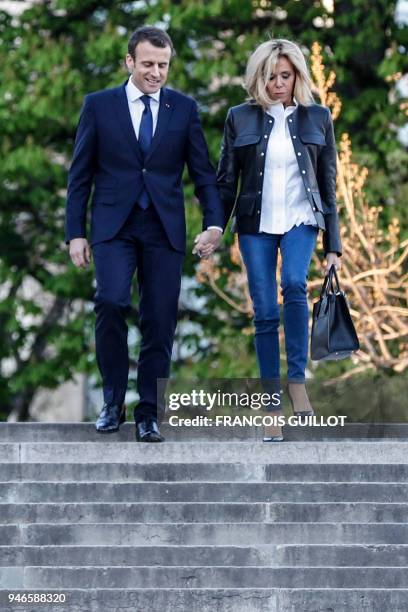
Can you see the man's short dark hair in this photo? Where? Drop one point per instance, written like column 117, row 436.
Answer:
column 155, row 36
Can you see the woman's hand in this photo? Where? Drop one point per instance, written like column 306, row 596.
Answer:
column 332, row 258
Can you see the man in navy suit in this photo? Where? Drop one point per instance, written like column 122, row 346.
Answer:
column 132, row 144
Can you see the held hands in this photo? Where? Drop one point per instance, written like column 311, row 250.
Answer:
column 206, row 242
column 80, row 252
column 332, row 258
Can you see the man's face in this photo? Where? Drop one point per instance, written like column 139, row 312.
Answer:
column 150, row 67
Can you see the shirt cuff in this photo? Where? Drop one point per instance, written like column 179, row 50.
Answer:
column 215, row 227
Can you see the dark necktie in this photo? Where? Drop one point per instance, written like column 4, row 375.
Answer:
column 145, row 139
column 146, row 126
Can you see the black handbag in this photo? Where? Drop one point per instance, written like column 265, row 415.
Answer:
column 333, row 333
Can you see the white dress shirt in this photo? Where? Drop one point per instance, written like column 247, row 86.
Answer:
column 284, row 200
column 136, row 108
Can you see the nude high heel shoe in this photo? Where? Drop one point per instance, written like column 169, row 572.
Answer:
column 273, row 433
column 299, row 400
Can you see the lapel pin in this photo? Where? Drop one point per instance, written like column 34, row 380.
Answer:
column 167, row 105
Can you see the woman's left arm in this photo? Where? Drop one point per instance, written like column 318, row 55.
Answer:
column 326, row 179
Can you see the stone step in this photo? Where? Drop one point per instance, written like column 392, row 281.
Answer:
column 258, row 452
column 193, row 534
column 85, row 432
column 203, row 472
column 362, row 555
column 204, row 577
column 37, row 492
column 211, row 512
column 116, row 525
column 216, row 600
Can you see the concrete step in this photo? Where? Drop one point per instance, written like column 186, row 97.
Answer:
column 165, row 472
column 211, row 512
column 379, row 555
column 203, row 472
column 210, row 520
column 37, row 492
column 204, row 577
column 217, row 600
column 255, row 452
column 199, row 534
column 85, row 432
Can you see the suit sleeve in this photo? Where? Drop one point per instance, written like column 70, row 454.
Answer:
column 326, row 179
column 202, row 173
column 81, row 174
column 228, row 169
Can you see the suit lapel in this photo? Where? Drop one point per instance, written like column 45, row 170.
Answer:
column 125, row 120
column 165, row 112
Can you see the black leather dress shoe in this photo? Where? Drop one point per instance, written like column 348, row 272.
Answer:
column 147, row 430
column 110, row 418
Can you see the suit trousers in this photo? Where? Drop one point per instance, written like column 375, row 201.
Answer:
column 140, row 246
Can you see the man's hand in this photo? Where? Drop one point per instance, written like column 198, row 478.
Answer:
column 332, row 258
column 80, row 252
column 206, row 242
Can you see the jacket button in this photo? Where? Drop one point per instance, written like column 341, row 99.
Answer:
column 303, row 171
column 270, row 120
column 314, row 208
column 299, row 153
column 258, row 212
column 261, row 173
column 266, row 136
column 308, row 188
column 262, row 154
column 290, row 120
column 259, row 192
column 144, row 170
column 293, row 136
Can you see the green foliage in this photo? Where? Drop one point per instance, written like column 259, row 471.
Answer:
column 55, row 53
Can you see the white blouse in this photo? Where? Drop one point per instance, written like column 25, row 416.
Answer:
column 284, row 199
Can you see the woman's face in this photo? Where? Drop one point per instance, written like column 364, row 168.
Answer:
column 282, row 82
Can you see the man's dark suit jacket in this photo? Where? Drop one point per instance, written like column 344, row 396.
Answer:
column 108, row 154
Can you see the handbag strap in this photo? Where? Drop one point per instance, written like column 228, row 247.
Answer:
column 328, row 285
column 324, row 290
column 333, row 272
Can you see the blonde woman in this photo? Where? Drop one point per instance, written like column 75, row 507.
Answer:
column 279, row 147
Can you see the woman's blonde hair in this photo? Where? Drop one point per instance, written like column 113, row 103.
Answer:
column 262, row 64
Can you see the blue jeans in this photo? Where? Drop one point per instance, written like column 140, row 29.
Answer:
column 260, row 253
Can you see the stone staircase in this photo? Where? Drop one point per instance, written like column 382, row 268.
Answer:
column 200, row 523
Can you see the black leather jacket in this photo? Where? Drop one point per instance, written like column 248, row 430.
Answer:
column 243, row 151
